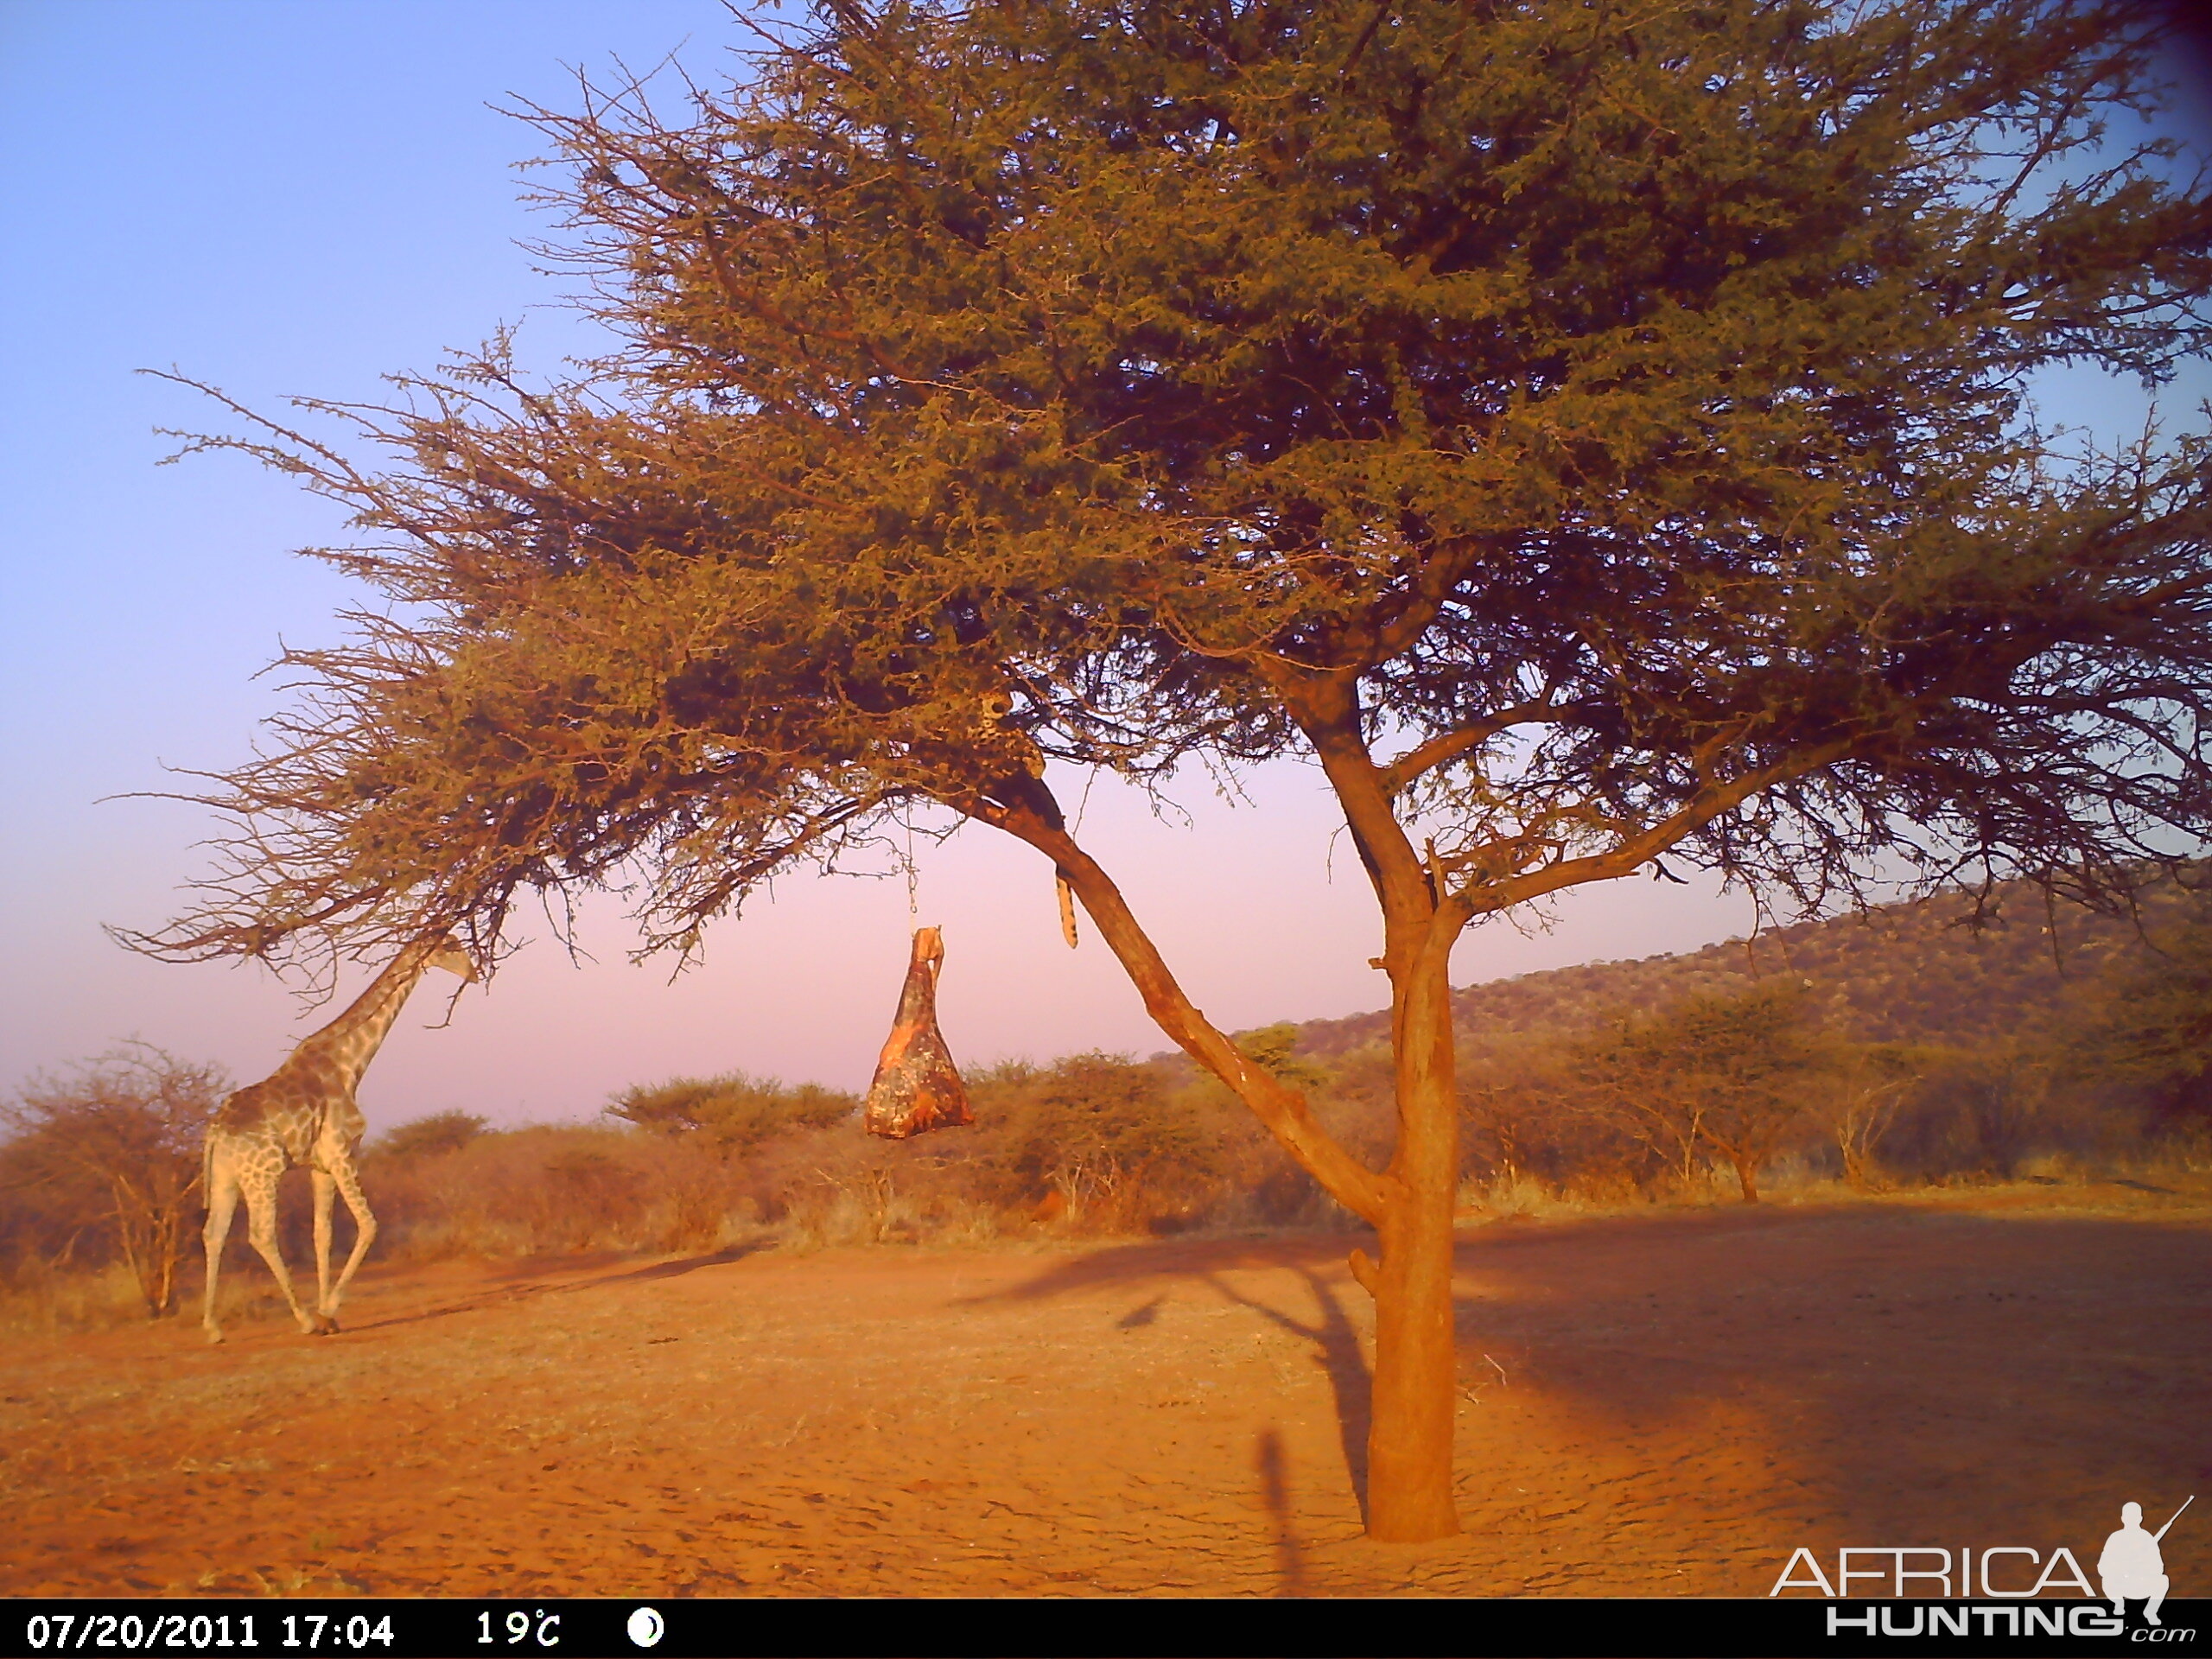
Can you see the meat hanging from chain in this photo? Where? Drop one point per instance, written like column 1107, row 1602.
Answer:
column 916, row 1087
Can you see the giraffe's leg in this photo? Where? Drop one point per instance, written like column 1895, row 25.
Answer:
column 325, row 1189
column 348, row 1181
column 260, row 1188
column 222, row 1202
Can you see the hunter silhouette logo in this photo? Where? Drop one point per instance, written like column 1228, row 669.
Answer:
column 2132, row 1566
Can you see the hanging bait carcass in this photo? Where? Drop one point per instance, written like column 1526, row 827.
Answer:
column 916, row 1087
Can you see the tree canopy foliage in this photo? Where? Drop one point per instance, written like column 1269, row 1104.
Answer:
column 1617, row 415
column 1592, row 434
column 1724, row 1073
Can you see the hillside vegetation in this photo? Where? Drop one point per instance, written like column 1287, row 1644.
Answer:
column 1964, row 1038
column 1948, row 970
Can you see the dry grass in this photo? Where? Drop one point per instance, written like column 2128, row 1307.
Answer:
column 39, row 1301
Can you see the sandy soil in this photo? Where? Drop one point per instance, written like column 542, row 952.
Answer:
column 1667, row 1403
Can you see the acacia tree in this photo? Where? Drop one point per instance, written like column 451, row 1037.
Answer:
column 1726, row 1072
column 1591, row 433
column 1865, row 1088
column 730, row 1112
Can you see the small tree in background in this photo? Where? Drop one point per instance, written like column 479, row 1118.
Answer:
column 117, row 1145
column 1743, row 1059
column 2156, row 1028
column 1616, row 1076
column 732, row 1111
column 1515, row 1101
column 1105, row 1133
column 1860, row 1091
column 430, row 1136
column 1592, row 434
column 1274, row 1049
column 1726, row 1073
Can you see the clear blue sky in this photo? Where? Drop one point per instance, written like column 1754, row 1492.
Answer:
column 289, row 198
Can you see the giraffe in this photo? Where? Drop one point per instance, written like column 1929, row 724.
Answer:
column 304, row 1113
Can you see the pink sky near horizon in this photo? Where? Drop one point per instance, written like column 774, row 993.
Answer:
column 802, row 986
column 282, row 199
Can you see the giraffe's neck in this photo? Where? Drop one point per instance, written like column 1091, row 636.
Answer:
column 348, row 1043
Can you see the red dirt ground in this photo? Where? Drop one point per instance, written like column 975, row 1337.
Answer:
column 1665, row 1403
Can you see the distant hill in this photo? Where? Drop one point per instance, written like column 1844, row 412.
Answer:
column 1903, row 973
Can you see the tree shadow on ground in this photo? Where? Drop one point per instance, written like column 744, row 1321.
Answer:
column 1338, row 1350
column 1921, row 1374
column 1335, row 1339
column 1269, row 1464
column 1181, row 1258
column 1889, row 1372
column 677, row 1269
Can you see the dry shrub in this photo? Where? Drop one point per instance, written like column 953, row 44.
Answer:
column 104, row 1165
column 1989, row 1113
column 840, row 1186
column 426, row 1136
column 554, row 1189
column 1534, row 1122
column 1093, row 1144
column 1585, row 1117
column 38, row 1298
column 1109, row 1137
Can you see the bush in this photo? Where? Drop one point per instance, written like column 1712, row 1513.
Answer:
column 1107, row 1137
column 105, row 1165
column 1532, row 1115
column 551, row 1190
column 732, row 1111
column 427, row 1137
column 1726, row 1073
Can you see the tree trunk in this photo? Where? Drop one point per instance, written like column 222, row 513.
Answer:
column 166, row 1243
column 1747, row 1173
column 1416, row 1361
column 1413, row 1392
column 132, row 1234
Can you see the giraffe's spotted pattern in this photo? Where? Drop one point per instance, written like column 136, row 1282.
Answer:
column 304, row 1113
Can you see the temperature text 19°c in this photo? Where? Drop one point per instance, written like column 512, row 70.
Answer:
column 542, row 1629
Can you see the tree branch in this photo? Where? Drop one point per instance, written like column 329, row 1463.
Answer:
column 1447, row 747
column 1282, row 1109
column 1638, row 850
